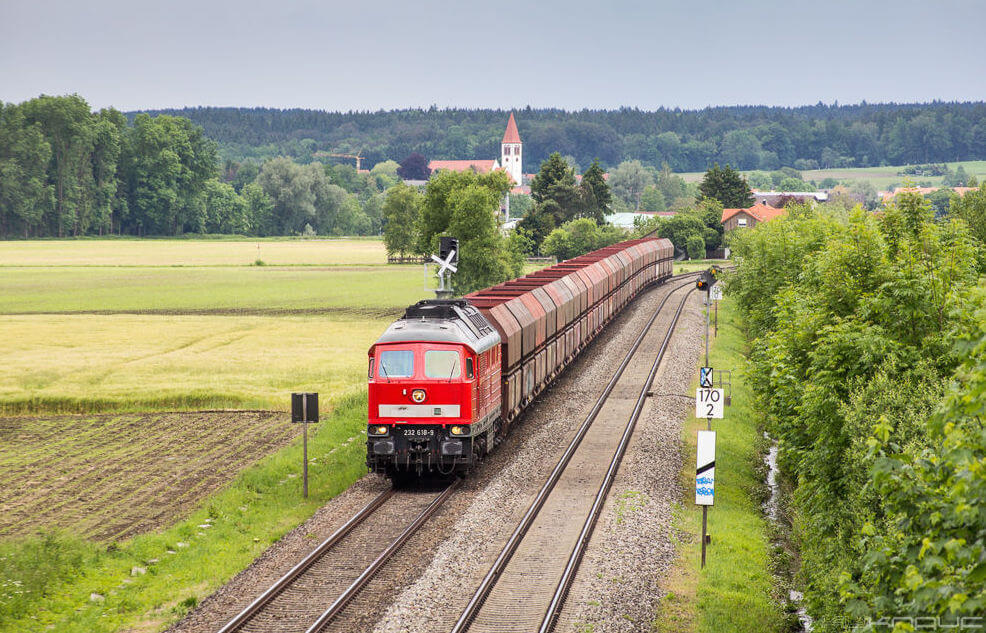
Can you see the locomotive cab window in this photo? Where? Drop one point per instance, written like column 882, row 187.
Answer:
column 441, row 363
column 397, row 363
column 469, row 372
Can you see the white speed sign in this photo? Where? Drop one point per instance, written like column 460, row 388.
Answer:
column 709, row 403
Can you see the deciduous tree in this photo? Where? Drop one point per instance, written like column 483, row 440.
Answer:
column 727, row 186
column 414, row 167
column 400, row 216
column 628, row 181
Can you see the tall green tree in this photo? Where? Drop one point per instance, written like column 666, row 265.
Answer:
column 628, row 180
column 726, row 185
column 400, row 217
column 25, row 194
column 226, row 212
column 66, row 123
column 292, row 190
column 169, row 164
column 652, row 200
column 466, row 205
column 972, row 208
column 596, row 193
column 258, row 209
column 554, row 174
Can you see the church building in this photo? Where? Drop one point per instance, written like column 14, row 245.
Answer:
column 511, row 161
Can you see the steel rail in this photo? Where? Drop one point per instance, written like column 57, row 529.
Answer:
column 264, row 599
column 486, row 586
column 561, row 591
column 329, row 614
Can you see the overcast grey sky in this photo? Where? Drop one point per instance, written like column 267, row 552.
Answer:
column 499, row 53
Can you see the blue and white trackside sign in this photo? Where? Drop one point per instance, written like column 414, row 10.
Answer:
column 705, row 469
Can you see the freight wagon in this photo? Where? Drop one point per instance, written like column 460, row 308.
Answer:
column 448, row 378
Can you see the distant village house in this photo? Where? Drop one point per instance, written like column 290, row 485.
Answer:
column 750, row 217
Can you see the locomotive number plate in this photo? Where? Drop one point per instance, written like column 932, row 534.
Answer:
column 419, row 432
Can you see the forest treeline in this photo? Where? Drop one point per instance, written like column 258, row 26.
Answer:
column 746, row 137
column 68, row 171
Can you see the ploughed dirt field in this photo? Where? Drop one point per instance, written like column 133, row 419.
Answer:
column 113, row 476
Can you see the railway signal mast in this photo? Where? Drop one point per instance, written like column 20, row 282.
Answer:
column 447, row 260
column 708, row 404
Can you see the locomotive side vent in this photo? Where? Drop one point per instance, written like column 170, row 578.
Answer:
column 478, row 320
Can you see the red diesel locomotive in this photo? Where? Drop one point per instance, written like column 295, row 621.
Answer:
column 448, row 378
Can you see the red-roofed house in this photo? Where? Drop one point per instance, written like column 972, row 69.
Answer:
column 481, row 166
column 748, row 218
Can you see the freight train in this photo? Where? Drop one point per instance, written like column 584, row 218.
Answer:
column 448, row 378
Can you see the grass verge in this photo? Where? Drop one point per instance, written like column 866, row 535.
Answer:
column 735, row 591
column 56, row 581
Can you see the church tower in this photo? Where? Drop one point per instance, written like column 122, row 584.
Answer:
column 511, row 152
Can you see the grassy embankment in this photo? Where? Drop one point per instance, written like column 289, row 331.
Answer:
column 735, row 591
column 61, row 582
column 879, row 177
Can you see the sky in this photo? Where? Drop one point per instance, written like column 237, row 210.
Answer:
column 385, row 54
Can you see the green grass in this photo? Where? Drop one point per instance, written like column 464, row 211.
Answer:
column 880, row 177
column 734, row 593
column 375, row 290
column 63, row 583
column 693, row 265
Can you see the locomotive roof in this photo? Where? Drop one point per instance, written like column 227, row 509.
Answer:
column 443, row 321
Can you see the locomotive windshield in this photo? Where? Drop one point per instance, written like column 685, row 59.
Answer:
column 442, row 364
column 397, row 363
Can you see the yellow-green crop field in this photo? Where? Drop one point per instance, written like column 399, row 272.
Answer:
column 87, row 327
column 226, row 252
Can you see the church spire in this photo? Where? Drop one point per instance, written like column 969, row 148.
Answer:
column 511, row 135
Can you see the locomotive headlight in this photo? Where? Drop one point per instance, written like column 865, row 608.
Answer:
column 458, row 430
column 379, row 430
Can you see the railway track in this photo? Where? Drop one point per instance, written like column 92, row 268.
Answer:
column 310, row 596
column 525, row 588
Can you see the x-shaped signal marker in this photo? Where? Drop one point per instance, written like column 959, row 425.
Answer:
column 446, row 264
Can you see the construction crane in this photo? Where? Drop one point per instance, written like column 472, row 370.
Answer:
column 358, row 157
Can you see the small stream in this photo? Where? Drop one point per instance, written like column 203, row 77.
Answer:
column 772, row 508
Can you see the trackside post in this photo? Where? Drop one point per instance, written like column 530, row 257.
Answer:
column 304, row 409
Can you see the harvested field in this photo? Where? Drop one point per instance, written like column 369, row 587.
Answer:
column 109, row 477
